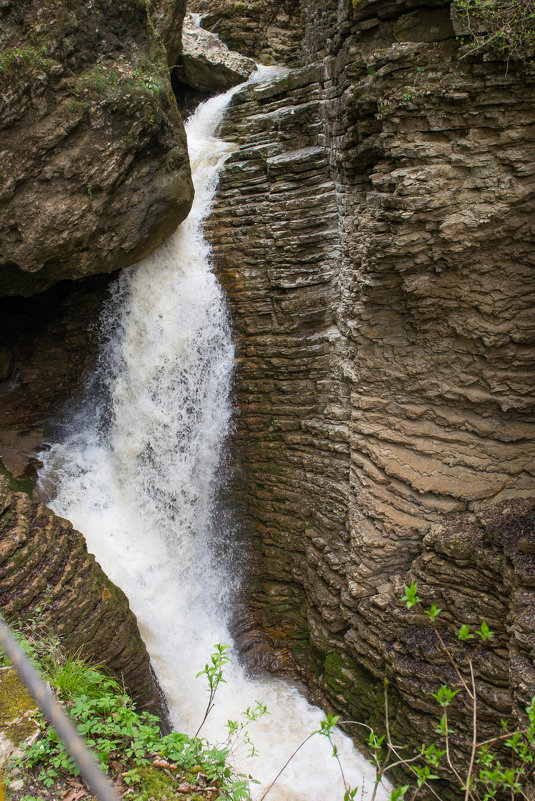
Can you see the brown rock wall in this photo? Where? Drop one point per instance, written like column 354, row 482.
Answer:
column 49, row 344
column 373, row 231
column 44, row 563
column 267, row 30
column 94, row 171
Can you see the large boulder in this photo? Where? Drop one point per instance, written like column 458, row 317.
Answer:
column 207, row 64
column 94, row 171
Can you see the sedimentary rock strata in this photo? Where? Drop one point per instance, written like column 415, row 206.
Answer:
column 373, row 232
column 45, row 570
column 268, row 30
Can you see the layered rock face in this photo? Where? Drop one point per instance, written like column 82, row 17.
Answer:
column 44, row 563
column 268, row 30
column 373, row 232
column 94, row 172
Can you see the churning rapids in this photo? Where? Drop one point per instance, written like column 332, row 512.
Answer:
column 137, row 473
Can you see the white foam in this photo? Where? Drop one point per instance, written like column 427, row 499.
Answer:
column 138, row 477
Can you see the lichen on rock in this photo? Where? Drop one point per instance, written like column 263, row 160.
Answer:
column 18, row 711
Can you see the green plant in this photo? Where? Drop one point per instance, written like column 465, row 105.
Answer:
column 484, row 776
column 119, row 734
column 17, row 58
column 213, row 671
column 505, row 28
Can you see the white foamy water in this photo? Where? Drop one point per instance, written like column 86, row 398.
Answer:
column 138, row 476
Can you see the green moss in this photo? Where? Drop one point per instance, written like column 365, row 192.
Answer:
column 15, row 59
column 131, row 85
column 156, row 784
column 26, row 484
column 362, row 693
column 15, row 703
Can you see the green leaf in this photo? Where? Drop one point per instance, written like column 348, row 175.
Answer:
column 433, row 613
column 464, row 633
column 411, row 595
column 484, row 632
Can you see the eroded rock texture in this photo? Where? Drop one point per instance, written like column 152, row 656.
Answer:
column 267, row 30
column 94, row 171
column 44, row 563
column 374, row 234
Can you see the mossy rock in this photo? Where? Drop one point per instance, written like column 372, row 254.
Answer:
column 156, row 784
column 25, row 484
column 17, row 713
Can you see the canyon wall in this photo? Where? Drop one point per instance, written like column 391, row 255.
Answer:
column 94, row 175
column 270, row 31
column 374, row 234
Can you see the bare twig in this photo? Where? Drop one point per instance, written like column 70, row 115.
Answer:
column 474, row 733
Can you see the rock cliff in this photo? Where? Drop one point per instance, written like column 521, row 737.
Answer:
column 94, row 172
column 44, row 564
column 373, row 232
column 268, row 30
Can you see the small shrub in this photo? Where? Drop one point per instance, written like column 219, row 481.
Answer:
column 504, row 28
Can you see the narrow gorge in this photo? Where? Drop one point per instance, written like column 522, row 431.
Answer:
column 368, row 204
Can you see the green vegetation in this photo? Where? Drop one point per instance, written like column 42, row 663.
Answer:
column 504, row 28
column 126, row 741
column 26, row 484
column 27, row 58
column 117, row 79
column 502, row 766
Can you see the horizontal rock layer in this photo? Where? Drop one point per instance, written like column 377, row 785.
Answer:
column 45, row 566
column 267, row 30
column 373, row 232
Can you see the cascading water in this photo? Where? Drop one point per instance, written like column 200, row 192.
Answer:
column 138, row 477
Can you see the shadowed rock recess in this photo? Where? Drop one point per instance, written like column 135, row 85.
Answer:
column 374, row 234
column 94, row 171
column 44, row 563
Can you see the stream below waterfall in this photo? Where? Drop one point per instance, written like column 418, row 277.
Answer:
column 137, row 473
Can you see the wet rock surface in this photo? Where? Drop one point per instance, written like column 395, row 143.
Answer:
column 94, row 171
column 44, row 563
column 373, row 232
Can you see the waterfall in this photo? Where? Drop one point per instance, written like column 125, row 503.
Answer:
column 137, row 473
